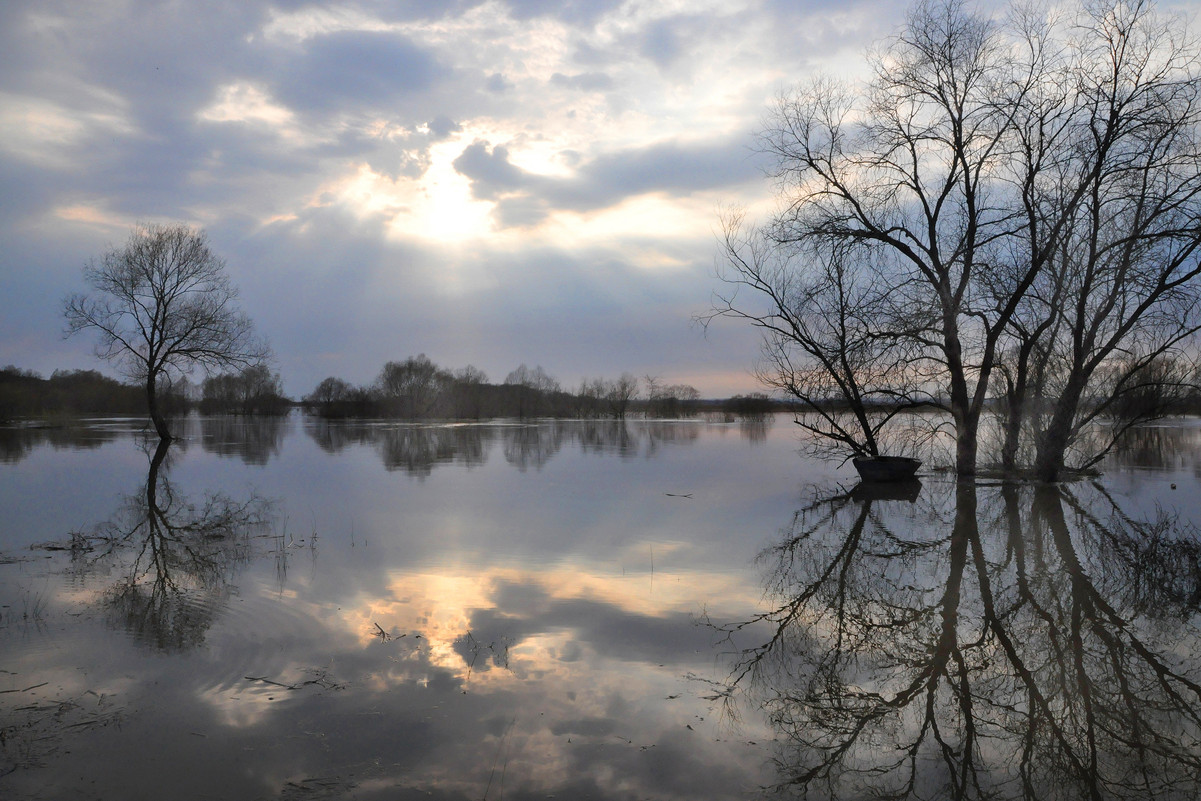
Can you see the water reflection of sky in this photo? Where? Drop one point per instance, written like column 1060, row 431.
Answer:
column 299, row 610
column 479, row 611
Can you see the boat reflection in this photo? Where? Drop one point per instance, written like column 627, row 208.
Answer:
column 1006, row 641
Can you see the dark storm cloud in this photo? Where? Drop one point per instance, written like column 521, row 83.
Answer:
column 525, row 198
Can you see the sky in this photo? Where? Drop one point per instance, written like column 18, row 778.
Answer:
column 487, row 183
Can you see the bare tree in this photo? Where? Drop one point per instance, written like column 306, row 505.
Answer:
column 329, row 394
column 830, row 339
column 533, row 389
column 1022, row 192
column 412, row 388
column 669, row 400
column 621, row 392
column 162, row 305
column 1127, row 256
column 468, row 388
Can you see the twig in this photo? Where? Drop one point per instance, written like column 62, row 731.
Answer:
column 266, row 680
column 27, row 689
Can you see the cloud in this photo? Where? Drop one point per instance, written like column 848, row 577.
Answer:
column 675, row 167
column 443, row 126
column 575, row 12
column 584, row 81
column 350, row 69
column 490, row 171
column 497, row 84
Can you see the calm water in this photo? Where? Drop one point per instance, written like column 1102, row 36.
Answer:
column 292, row 609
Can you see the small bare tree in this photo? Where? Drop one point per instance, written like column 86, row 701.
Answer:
column 162, row 305
column 831, row 336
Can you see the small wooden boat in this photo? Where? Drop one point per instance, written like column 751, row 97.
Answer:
column 886, row 468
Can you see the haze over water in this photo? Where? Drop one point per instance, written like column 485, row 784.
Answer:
column 299, row 609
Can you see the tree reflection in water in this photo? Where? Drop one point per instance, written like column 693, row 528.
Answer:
column 417, row 448
column 1000, row 641
column 255, row 439
column 176, row 558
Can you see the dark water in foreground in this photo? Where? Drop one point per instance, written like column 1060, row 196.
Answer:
column 289, row 609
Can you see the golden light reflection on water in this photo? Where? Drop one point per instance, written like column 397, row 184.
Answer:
column 440, row 607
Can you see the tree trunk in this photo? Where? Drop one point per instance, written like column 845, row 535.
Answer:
column 965, row 415
column 1053, row 441
column 966, row 445
column 156, row 416
column 160, row 453
column 1015, row 413
column 967, row 425
column 1013, row 434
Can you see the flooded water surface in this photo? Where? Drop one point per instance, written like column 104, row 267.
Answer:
column 298, row 609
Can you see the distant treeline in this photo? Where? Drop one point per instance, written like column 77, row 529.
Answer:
column 25, row 394
column 417, row 388
column 412, row 389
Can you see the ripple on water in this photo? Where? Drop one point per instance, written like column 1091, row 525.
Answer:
column 264, row 636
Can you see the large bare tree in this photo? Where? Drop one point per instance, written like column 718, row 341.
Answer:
column 162, row 305
column 1021, row 194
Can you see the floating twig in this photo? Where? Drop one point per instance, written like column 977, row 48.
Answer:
column 266, row 680
column 27, row 689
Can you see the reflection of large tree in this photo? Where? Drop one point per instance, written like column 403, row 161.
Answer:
column 1000, row 642
column 175, row 557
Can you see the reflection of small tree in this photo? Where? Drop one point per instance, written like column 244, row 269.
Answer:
column 162, row 305
column 182, row 558
column 532, row 446
column 418, row 449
